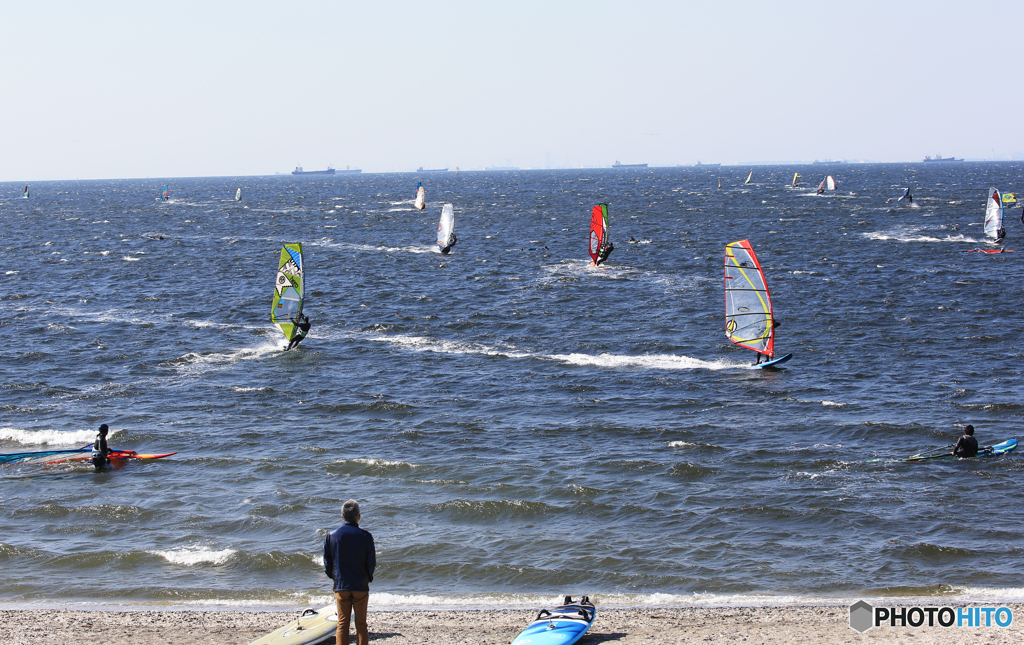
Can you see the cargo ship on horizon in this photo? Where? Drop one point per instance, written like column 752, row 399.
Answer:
column 330, row 171
column 940, row 158
column 628, row 165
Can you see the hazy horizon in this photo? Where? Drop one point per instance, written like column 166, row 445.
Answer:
column 112, row 90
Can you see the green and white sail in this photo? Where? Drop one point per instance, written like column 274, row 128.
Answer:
column 288, row 289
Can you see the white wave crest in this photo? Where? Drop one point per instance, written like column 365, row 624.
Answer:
column 50, row 437
column 653, row 362
column 190, row 556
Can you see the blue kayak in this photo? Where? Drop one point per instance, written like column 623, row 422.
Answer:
column 562, row 625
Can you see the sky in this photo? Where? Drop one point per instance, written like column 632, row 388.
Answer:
column 104, row 89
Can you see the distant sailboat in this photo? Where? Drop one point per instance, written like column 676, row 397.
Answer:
column 749, row 318
column 994, row 216
column 446, row 229
column 749, row 177
column 421, row 196
column 238, row 195
column 25, row 194
column 795, row 175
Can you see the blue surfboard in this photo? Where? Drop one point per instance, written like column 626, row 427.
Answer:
column 563, row 625
column 775, row 362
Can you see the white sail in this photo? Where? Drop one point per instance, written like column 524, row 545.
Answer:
column 749, row 177
column 446, row 227
column 994, row 214
column 238, row 195
column 421, row 197
column 830, row 182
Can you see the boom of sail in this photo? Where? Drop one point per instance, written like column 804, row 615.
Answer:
column 288, row 289
column 748, row 305
column 994, row 215
column 599, row 239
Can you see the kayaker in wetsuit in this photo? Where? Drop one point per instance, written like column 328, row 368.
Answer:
column 100, row 449
column 605, row 252
column 302, row 326
column 968, row 445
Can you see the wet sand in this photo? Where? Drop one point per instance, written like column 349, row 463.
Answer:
column 746, row 625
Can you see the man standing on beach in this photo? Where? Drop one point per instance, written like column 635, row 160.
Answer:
column 349, row 560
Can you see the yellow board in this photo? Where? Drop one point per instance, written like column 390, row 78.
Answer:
column 311, row 627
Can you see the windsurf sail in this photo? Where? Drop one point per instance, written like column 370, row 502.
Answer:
column 994, row 215
column 795, row 175
column 749, row 320
column 599, row 239
column 821, row 186
column 446, row 227
column 25, row 194
column 164, row 195
column 288, row 289
column 45, row 456
column 238, row 195
column 749, row 177
column 1008, row 198
column 830, row 183
column 719, row 182
column 906, row 195
column 421, row 196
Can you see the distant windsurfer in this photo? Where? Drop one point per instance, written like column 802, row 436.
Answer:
column 967, row 446
column 907, row 196
column 631, row 240
column 100, row 451
column 605, row 252
column 302, row 326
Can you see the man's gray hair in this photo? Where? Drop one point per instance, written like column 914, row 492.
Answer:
column 350, row 511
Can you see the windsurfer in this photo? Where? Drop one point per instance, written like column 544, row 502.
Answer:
column 775, row 325
column 100, row 451
column 451, row 242
column 605, row 252
column 967, row 446
column 907, row 196
column 302, row 326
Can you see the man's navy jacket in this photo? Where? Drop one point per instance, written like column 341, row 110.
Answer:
column 349, row 558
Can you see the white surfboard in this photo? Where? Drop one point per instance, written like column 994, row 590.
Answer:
column 313, row 626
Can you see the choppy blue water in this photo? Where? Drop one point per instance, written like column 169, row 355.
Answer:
column 516, row 423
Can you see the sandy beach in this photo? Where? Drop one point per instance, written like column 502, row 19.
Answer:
column 750, row 625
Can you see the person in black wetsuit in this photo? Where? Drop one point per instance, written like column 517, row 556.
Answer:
column 451, row 242
column 968, row 445
column 302, row 328
column 765, row 357
column 100, row 449
column 605, row 252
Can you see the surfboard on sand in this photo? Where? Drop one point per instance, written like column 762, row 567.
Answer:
column 313, row 626
column 563, row 625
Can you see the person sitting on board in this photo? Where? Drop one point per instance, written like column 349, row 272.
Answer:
column 349, row 560
column 967, row 446
column 631, row 240
column 100, row 451
column 605, row 252
column 302, row 326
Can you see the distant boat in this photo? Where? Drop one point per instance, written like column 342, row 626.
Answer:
column 795, row 175
column 826, row 161
column 25, row 194
column 238, row 195
column 349, row 171
column 940, row 158
column 628, row 165
column 749, row 177
column 422, row 169
column 994, row 216
column 706, row 165
column 299, row 171
column 421, row 196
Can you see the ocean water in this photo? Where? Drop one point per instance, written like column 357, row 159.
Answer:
column 515, row 423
